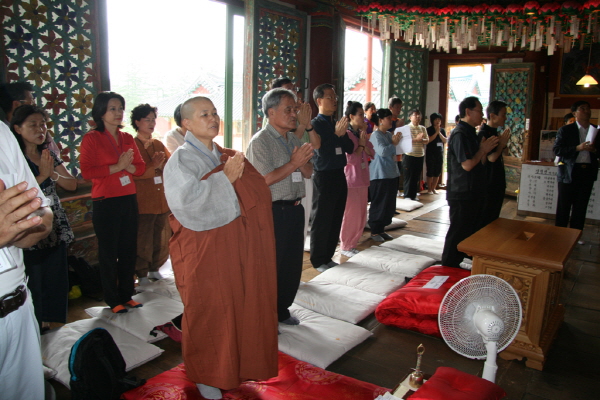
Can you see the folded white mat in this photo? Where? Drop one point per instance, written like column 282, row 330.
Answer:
column 396, row 224
column 318, row 340
column 407, row 204
column 165, row 287
column 363, row 278
column 140, row 322
column 337, row 301
column 394, row 261
column 57, row 344
column 417, row 245
column 467, row 263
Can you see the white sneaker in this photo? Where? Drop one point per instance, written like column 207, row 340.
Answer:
column 155, row 275
column 349, row 253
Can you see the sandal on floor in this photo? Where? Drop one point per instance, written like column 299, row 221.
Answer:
column 133, row 304
column 120, row 309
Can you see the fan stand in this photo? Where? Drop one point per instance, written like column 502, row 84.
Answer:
column 490, row 367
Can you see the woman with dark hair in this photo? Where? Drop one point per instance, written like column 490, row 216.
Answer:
column 152, row 249
column 370, row 108
column 357, row 176
column 434, row 152
column 46, row 262
column 384, row 175
column 110, row 159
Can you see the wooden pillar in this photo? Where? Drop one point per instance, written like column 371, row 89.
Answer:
column 322, row 41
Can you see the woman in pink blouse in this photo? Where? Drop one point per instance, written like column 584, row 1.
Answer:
column 357, row 176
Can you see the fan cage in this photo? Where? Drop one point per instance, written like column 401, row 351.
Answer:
column 460, row 304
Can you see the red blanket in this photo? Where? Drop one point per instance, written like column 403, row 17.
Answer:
column 412, row 307
column 296, row 380
column 451, row 384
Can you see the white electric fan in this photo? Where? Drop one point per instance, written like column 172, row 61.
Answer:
column 479, row 317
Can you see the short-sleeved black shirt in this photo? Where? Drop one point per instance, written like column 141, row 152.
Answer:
column 462, row 146
column 494, row 171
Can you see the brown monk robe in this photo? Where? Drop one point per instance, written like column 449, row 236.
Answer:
column 227, row 280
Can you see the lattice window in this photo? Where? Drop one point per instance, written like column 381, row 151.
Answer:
column 280, row 52
column 52, row 45
column 409, row 69
column 512, row 87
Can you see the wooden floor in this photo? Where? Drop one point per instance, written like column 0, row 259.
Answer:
column 572, row 370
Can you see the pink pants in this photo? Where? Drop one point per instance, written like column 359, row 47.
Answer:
column 355, row 217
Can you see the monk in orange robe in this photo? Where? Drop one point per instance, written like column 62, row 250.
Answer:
column 223, row 256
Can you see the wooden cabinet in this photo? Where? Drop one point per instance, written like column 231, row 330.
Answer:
column 531, row 257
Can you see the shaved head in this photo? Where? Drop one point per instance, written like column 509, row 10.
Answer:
column 189, row 106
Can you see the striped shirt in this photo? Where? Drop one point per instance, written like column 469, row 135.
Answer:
column 418, row 149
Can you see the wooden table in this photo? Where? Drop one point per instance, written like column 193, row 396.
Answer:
column 531, row 257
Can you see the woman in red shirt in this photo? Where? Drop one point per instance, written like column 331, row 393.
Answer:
column 110, row 159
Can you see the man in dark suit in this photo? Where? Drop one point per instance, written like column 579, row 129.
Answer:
column 577, row 167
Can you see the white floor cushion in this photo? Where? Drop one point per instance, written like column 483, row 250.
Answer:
column 397, row 223
column 57, row 344
column 363, row 278
column 318, row 340
column 407, row 204
column 393, row 261
column 417, row 245
column 337, row 301
column 165, row 287
column 140, row 322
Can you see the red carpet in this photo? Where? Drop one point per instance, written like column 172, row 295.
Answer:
column 296, row 380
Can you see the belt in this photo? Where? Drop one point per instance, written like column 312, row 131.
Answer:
column 287, row 202
column 13, row 301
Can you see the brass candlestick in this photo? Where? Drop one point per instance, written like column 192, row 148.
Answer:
column 416, row 378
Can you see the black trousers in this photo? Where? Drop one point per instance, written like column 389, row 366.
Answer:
column 116, row 221
column 412, row 168
column 48, row 282
column 289, row 246
column 383, row 203
column 492, row 206
column 465, row 217
column 573, row 197
column 329, row 203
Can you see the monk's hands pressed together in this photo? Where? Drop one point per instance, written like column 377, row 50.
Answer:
column 16, row 204
column 503, row 141
column 301, row 155
column 234, row 167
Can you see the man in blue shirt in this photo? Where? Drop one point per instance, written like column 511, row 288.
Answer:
column 330, row 188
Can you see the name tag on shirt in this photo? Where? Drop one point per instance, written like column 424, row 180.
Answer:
column 125, row 180
column 296, row 176
column 363, row 165
column 440, row 144
column 157, row 180
column 338, row 151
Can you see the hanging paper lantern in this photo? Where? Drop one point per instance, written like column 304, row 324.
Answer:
column 445, row 12
column 531, row 8
column 480, row 10
column 550, row 9
column 591, row 5
column 514, row 11
column 495, row 10
column 570, row 8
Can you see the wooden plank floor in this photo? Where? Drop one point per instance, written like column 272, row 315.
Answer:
column 571, row 372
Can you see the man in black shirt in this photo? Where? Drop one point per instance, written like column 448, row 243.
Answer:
column 495, row 181
column 330, row 187
column 466, row 178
